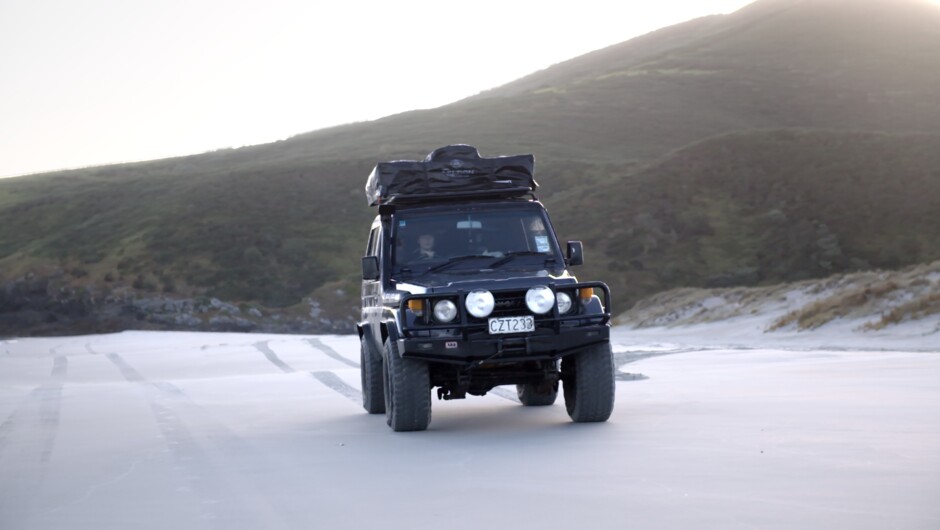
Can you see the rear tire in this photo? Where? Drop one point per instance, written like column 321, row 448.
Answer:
column 373, row 384
column 589, row 386
column 529, row 395
column 407, row 391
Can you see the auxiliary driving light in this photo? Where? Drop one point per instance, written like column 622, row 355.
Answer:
column 539, row 299
column 563, row 301
column 480, row 303
column 445, row 311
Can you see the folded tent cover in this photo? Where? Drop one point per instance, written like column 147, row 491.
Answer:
column 450, row 172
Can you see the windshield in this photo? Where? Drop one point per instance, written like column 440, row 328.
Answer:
column 478, row 239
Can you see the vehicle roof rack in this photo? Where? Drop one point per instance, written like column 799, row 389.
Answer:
column 449, row 173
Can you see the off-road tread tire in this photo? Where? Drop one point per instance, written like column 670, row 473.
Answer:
column 373, row 380
column 530, row 397
column 589, row 386
column 407, row 391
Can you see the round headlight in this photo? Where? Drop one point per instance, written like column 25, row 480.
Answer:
column 445, row 311
column 563, row 301
column 539, row 299
column 480, row 303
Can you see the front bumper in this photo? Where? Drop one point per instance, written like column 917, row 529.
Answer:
column 536, row 346
column 467, row 341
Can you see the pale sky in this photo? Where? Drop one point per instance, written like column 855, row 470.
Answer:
column 93, row 82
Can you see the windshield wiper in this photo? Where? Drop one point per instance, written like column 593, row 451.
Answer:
column 515, row 254
column 453, row 261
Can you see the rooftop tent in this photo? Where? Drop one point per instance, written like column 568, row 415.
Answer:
column 448, row 172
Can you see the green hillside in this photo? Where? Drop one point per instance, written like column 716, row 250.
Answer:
column 789, row 140
column 762, row 207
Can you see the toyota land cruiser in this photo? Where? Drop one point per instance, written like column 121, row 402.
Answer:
column 465, row 288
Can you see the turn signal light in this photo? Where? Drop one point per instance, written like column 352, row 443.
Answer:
column 416, row 305
column 585, row 293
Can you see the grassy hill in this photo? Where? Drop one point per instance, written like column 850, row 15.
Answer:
column 791, row 139
column 762, row 207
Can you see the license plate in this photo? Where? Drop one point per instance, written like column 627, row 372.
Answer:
column 511, row 325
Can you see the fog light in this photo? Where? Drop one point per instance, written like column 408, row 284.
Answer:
column 480, row 303
column 445, row 311
column 540, row 299
column 563, row 301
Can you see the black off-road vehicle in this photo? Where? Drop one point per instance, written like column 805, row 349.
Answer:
column 465, row 289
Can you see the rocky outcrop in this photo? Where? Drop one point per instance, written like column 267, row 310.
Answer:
column 34, row 305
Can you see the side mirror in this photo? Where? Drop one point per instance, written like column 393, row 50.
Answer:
column 575, row 253
column 370, row 268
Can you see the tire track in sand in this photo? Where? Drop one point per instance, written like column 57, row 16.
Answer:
column 38, row 418
column 326, row 377
column 226, row 499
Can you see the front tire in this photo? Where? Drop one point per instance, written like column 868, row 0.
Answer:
column 373, row 384
column 589, row 386
column 407, row 391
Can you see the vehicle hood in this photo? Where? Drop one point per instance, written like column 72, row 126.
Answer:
column 490, row 280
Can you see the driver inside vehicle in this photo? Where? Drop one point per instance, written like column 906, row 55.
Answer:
column 425, row 248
